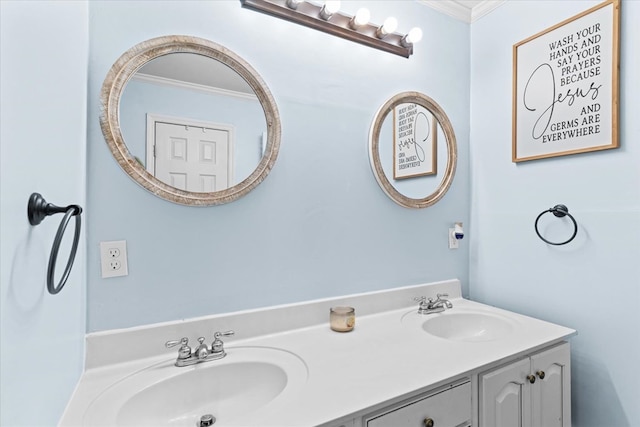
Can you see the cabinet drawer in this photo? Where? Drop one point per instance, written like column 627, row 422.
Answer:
column 448, row 408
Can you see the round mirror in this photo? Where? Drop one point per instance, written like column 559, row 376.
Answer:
column 412, row 149
column 189, row 120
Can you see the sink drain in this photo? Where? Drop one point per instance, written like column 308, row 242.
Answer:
column 207, row 420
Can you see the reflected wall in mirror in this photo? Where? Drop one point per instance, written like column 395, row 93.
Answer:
column 410, row 138
column 189, row 120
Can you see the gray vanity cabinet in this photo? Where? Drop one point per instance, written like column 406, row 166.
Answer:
column 531, row 392
column 449, row 407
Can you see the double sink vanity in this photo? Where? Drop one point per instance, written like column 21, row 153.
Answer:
column 467, row 365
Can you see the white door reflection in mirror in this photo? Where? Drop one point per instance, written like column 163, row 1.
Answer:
column 201, row 90
column 191, row 158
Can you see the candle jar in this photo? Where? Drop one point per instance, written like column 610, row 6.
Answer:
column 342, row 319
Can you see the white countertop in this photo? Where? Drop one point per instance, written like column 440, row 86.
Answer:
column 384, row 358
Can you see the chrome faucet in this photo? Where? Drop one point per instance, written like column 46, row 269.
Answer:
column 202, row 353
column 429, row 305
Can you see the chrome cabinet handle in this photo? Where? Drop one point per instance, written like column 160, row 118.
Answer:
column 540, row 374
column 531, row 378
column 428, row 422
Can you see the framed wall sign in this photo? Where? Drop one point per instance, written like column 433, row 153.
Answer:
column 565, row 86
column 415, row 134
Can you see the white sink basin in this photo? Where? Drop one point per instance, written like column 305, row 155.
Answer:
column 468, row 326
column 232, row 389
column 463, row 325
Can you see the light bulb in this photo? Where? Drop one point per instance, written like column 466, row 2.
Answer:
column 414, row 36
column 330, row 7
column 361, row 18
column 293, row 4
column 389, row 26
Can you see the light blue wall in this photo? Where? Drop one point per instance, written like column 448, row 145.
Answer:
column 319, row 225
column 44, row 55
column 593, row 283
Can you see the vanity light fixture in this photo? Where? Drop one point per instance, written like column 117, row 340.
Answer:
column 329, row 19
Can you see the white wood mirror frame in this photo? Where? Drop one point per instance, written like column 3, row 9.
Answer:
column 374, row 149
column 124, row 69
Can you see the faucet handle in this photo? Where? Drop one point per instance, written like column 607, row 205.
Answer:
column 424, row 301
column 217, row 335
column 184, row 341
column 441, row 295
column 184, row 352
column 217, row 346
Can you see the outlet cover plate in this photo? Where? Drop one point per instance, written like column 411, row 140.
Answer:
column 453, row 242
column 113, row 258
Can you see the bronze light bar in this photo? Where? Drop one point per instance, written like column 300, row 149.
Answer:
column 337, row 24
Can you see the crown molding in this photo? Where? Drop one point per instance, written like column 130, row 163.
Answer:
column 484, row 8
column 192, row 86
column 461, row 12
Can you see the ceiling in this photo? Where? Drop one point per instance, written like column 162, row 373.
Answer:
column 198, row 70
column 464, row 10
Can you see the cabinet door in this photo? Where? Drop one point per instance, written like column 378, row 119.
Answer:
column 449, row 408
column 505, row 396
column 551, row 393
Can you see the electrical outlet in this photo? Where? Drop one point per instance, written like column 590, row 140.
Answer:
column 113, row 257
column 453, row 242
column 114, row 252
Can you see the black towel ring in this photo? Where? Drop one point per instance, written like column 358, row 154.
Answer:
column 37, row 210
column 559, row 211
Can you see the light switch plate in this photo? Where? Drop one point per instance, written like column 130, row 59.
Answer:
column 113, row 258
